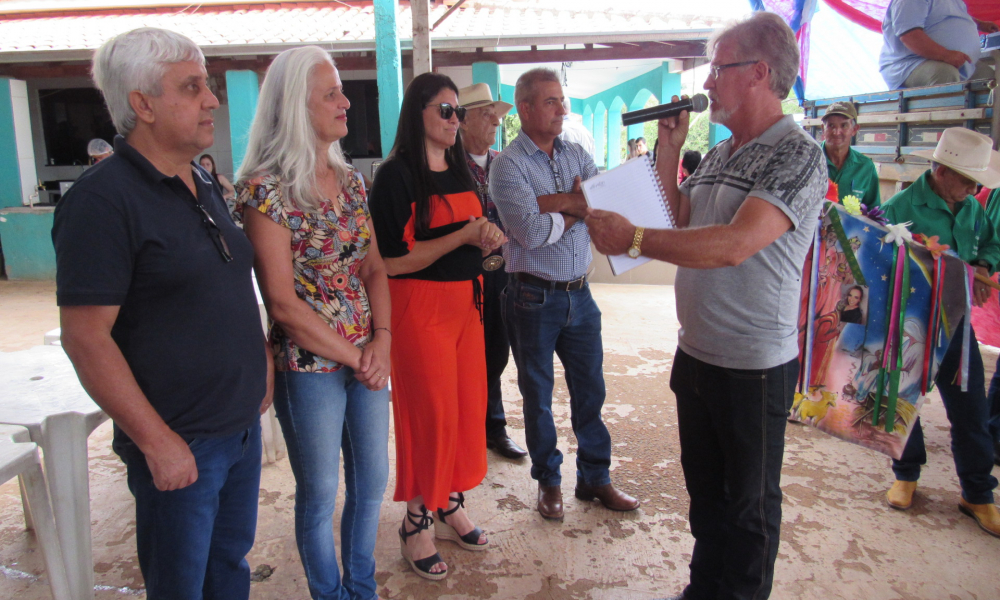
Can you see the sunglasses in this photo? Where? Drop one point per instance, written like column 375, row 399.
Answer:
column 215, row 233
column 448, row 110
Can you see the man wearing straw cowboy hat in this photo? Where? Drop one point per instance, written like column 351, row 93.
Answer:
column 940, row 203
column 479, row 133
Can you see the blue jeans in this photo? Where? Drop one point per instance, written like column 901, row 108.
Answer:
column 539, row 323
column 322, row 414
column 192, row 542
column 968, row 413
column 732, row 433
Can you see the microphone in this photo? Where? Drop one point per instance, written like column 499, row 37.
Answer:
column 698, row 103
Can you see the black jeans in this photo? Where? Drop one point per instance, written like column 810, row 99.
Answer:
column 497, row 350
column 732, row 433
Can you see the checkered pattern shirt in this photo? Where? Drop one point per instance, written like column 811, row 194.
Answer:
column 518, row 176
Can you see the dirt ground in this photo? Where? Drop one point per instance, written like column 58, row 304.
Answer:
column 838, row 541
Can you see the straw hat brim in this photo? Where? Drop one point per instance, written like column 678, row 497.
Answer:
column 502, row 108
column 989, row 177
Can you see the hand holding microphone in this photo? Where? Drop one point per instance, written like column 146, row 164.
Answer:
column 696, row 104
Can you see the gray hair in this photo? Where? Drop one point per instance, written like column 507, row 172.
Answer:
column 766, row 37
column 137, row 60
column 97, row 147
column 524, row 89
column 282, row 139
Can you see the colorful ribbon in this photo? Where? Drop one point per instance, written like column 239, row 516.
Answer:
column 892, row 350
column 852, row 259
column 810, row 315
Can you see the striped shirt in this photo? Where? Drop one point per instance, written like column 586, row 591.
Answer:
column 518, row 176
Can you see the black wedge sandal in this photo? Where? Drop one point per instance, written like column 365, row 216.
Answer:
column 444, row 531
column 421, row 566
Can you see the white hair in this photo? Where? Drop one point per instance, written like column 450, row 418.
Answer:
column 282, row 139
column 137, row 60
column 766, row 37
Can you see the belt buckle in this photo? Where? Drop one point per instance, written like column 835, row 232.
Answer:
column 493, row 262
column 576, row 284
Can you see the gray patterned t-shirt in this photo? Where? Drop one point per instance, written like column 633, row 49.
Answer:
column 746, row 317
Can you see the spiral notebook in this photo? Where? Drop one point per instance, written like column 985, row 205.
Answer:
column 633, row 190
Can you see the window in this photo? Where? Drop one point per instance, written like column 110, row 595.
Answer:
column 71, row 117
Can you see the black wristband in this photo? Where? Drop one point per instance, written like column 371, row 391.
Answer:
column 386, row 329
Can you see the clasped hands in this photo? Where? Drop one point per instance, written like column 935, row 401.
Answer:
column 484, row 235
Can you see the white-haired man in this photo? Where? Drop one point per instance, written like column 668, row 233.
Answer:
column 746, row 218
column 160, row 319
column 479, row 133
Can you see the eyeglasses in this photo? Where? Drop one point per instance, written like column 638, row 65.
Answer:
column 714, row 70
column 448, row 110
column 215, row 233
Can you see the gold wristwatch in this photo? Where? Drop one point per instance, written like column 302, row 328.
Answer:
column 634, row 250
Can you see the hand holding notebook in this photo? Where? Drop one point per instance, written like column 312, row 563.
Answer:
column 634, row 191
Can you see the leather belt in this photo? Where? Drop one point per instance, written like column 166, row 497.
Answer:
column 562, row 286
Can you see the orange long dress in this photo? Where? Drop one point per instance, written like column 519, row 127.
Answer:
column 438, row 353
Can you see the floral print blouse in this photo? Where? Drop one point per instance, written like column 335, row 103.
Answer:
column 327, row 253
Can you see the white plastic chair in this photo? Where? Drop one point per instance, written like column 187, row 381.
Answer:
column 272, row 440
column 19, row 456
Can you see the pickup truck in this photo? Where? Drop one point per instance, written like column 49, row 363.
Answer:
column 895, row 123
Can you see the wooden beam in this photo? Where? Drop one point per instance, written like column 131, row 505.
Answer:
column 681, row 49
column 44, row 71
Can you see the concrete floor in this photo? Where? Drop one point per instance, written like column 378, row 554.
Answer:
column 839, row 540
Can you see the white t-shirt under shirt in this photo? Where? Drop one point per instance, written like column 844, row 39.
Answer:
column 746, row 317
column 480, row 159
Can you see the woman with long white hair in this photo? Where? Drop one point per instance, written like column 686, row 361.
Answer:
column 325, row 288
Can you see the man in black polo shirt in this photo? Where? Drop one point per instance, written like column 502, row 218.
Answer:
column 160, row 319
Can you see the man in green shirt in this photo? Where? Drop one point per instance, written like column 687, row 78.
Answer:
column 940, row 203
column 853, row 172
column 993, row 395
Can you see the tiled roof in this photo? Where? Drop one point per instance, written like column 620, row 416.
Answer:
column 343, row 24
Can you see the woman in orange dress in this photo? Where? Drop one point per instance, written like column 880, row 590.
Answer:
column 432, row 234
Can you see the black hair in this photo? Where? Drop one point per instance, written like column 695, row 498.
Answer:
column 410, row 147
column 691, row 160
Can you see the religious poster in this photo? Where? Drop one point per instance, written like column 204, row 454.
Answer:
column 878, row 310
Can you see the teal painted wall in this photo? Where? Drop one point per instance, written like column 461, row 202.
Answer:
column 600, row 135
column 10, row 172
column 659, row 82
column 389, row 68
column 614, row 133
column 242, row 88
column 489, row 73
column 27, row 244
column 717, row 133
column 507, row 95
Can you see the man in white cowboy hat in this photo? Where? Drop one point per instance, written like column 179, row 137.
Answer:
column 940, row 203
column 479, row 133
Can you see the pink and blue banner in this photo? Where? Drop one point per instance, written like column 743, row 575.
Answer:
column 876, row 320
